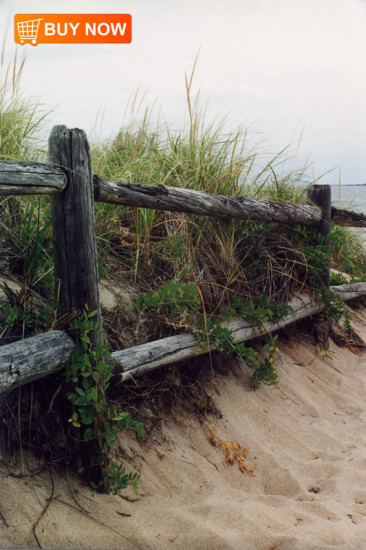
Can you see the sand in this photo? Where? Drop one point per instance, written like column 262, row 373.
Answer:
column 308, row 441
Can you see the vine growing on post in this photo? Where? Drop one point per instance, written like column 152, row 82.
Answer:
column 94, row 422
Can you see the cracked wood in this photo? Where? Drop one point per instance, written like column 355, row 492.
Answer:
column 35, row 357
column 176, row 199
column 27, row 360
column 31, row 178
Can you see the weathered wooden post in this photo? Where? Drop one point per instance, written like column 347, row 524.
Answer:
column 320, row 195
column 75, row 250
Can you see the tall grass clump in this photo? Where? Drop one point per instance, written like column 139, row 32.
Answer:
column 163, row 254
column 20, row 119
column 222, row 257
column 25, row 221
column 348, row 252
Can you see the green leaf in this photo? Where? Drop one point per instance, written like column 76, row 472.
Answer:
column 80, row 401
column 120, row 416
column 93, row 394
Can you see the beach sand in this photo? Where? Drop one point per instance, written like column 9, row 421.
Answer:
column 307, row 439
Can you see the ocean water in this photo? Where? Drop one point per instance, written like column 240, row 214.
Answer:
column 350, row 197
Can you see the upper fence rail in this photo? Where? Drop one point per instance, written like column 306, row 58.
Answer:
column 38, row 178
column 31, row 178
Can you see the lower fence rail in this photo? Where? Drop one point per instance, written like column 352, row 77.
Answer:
column 38, row 356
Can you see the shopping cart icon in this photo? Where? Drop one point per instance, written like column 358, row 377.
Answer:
column 28, row 30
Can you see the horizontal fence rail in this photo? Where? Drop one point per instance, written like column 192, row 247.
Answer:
column 27, row 360
column 38, row 356
column 176, row 199
column 347, row 218
column 31, row 178
column 39, row 178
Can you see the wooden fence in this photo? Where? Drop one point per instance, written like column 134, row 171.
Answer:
column 68, row 178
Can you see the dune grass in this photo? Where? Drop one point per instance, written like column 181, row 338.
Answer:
column 20, row 116
column 223, row 258
column 25, row 222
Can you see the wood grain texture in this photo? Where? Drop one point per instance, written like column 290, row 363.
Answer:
column 75, row 251
column 31, row 178
column 35, row 178
column 135, row 361
column 175, row 199
column 38, row 356
column 321, row 196
column 27, row 360
column 350, row 291
column 348, row 218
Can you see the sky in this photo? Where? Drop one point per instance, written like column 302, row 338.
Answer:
column 291, row 73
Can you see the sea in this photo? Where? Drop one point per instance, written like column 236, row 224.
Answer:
column 351, row 197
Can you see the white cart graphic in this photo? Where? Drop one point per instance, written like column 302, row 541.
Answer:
column 28, row 30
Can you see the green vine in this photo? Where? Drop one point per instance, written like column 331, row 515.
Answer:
column 334, row 307
column 179, row 303
column 15, row 314
column 94, row 422
column 222, row 339
column 265, row 371
column 255, row 313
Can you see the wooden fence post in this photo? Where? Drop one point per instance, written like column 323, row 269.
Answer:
column 320, row 195
column 75, row 250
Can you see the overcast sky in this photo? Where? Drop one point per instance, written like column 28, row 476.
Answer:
column 280, row 68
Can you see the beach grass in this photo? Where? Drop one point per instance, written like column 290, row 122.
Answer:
column 25, row 221
column 224, row 258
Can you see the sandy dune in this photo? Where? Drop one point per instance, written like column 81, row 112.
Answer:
column 307, row 438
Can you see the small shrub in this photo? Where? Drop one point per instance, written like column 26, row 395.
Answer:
column 337, row 279
column 334, row 307
column 181, row 303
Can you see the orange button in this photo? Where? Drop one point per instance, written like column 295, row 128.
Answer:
column 73, row 28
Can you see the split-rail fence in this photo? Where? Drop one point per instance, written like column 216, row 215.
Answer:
column 68, row 177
